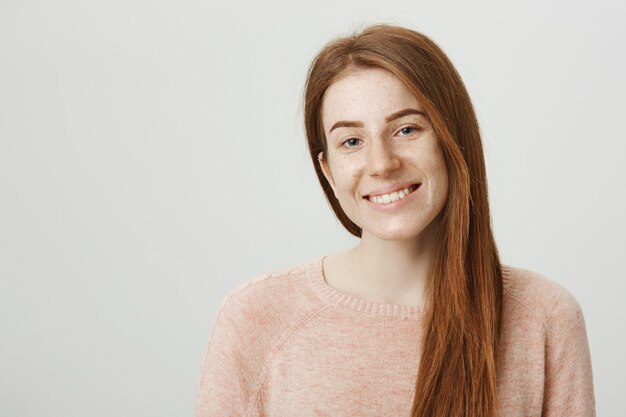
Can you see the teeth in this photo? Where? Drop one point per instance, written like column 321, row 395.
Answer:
column 390, row 198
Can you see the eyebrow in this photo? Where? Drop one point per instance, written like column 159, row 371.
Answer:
column 393, row 116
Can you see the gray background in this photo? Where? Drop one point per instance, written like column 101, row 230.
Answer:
column 152, row 157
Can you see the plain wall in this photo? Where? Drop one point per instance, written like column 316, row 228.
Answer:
column 152, row 157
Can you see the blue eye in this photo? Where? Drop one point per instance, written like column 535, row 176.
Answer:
column 347, row 140
column 407, row 127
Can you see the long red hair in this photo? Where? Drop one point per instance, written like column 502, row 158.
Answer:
column 457, row 370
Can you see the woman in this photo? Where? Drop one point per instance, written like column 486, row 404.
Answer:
column 420, row 318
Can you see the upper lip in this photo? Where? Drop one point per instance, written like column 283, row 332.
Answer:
column 391, row 188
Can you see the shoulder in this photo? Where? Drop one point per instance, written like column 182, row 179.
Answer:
column 545, row 339
column 270, row 305
column 268, row 290
column 543, row 299
column 253, row 321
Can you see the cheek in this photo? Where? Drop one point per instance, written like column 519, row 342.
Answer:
column 433, row 164
column 442, row 184
column 442, row 189
column 441, row 170
column 345, row 174
column 345, row 184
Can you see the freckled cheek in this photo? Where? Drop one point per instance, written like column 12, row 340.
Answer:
column 442, row 185
column 436, row 174
column 347, row 184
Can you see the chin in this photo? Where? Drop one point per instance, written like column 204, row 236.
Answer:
column 393, row 233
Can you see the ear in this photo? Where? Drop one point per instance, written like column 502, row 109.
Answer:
column 324, row 165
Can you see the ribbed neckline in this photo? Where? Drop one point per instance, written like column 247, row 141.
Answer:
column 315, row 275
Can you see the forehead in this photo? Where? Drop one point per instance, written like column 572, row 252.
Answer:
column 366, row 95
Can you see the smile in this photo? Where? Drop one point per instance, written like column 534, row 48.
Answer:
column 392, row 197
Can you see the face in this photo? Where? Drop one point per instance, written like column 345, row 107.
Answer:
column 380, row 145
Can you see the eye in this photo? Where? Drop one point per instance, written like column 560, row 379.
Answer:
column 348, row 140
column 407, row 130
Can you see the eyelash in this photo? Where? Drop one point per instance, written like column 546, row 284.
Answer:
column 415, row 129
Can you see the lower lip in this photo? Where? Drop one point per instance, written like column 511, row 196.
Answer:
column 396, row 205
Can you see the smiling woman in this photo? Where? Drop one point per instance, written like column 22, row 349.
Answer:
column 420, row 318
column 396, row 149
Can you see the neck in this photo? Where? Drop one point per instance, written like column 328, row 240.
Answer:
column 397, row 270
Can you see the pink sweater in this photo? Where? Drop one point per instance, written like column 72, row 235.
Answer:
column 285, row 343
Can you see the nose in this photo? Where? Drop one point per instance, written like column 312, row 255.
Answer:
column 382, row 159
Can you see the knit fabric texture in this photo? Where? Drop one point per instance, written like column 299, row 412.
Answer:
column 285, row 343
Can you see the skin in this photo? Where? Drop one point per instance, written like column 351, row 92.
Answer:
column 392, row 260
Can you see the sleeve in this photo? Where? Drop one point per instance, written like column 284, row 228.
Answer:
column 227, row 383
column 568, row 390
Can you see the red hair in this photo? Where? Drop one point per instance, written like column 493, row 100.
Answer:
column 457, row 371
